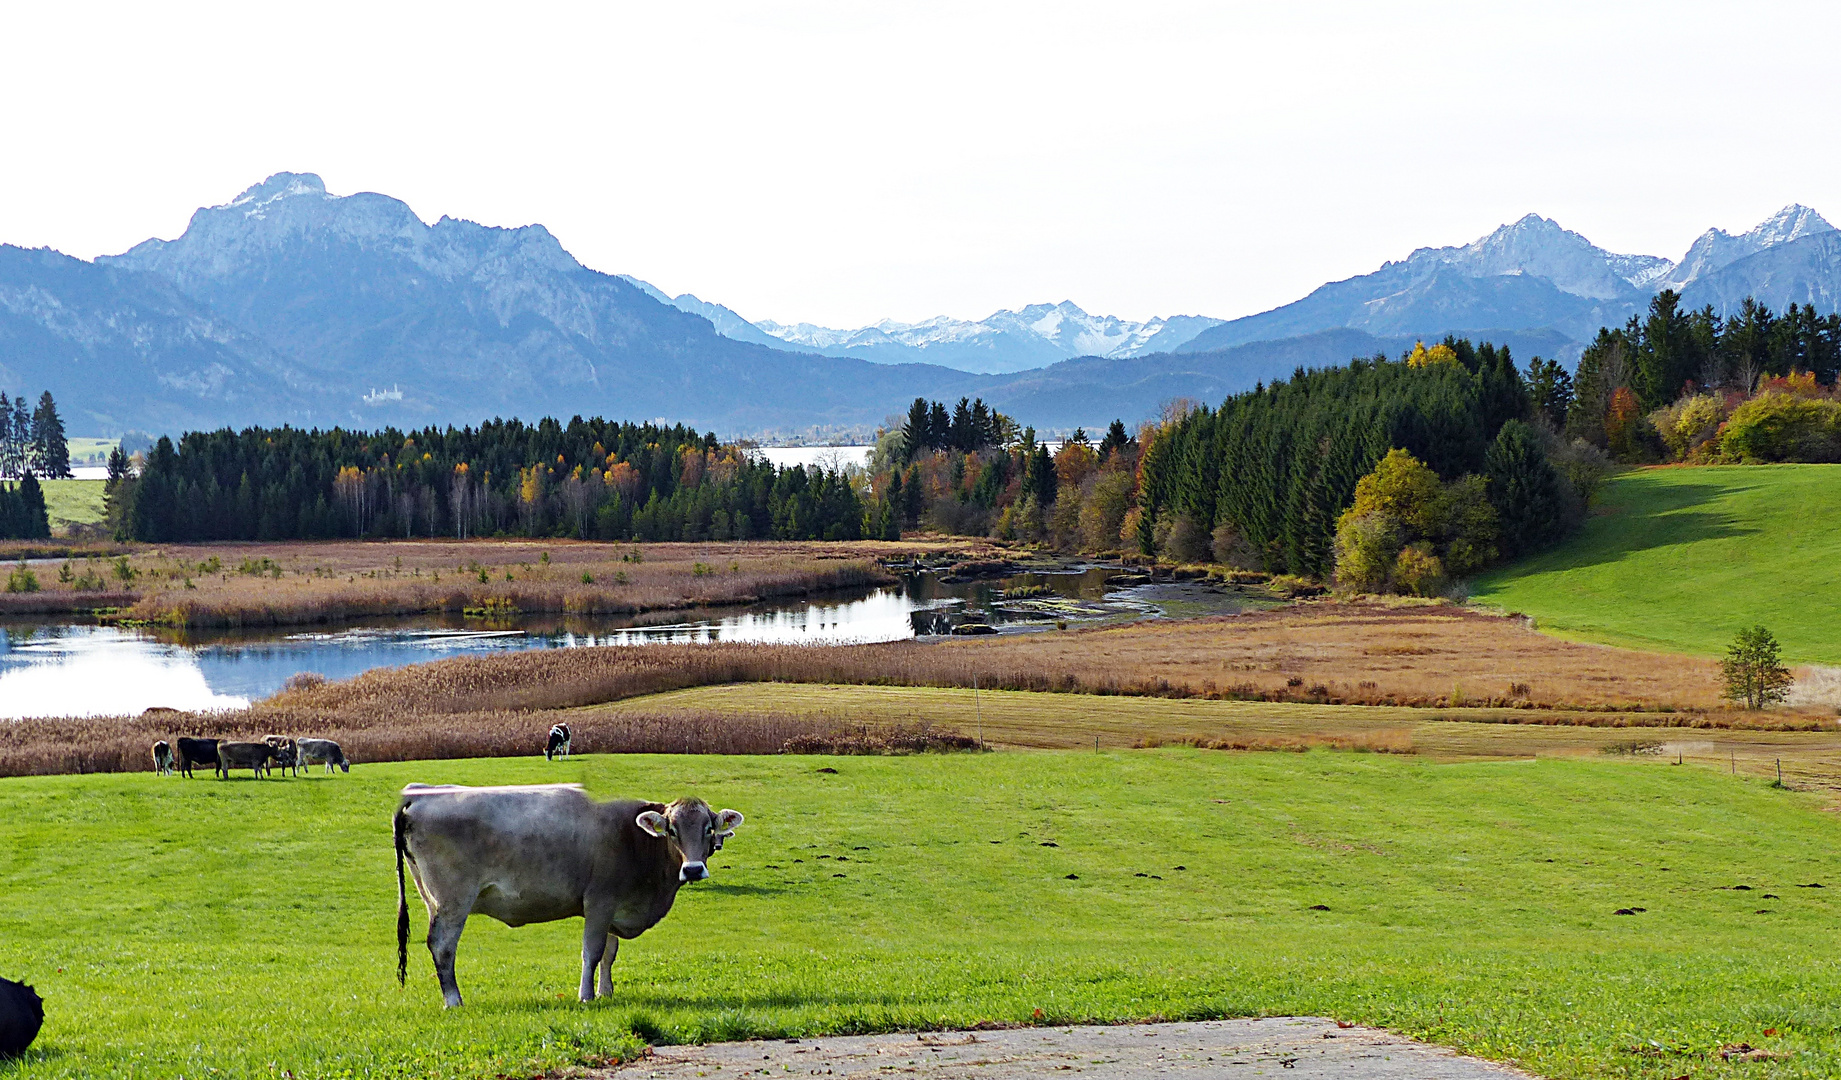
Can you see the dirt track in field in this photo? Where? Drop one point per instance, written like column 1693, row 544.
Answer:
column 1297, row 1048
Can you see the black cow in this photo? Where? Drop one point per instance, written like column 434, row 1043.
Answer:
column 197, row 752
column 558, row 743
column 22, row 1013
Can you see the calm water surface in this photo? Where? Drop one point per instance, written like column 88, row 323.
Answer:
column 69, row 669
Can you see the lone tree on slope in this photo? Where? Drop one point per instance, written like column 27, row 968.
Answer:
column 1752, row 671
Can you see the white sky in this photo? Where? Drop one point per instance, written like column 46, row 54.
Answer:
column 838, row 163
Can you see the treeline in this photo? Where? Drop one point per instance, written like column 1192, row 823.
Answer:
column 590, row 478
column 32, row 439
column 1678, row 385
column 968, row 428
column 1266, row 482
column 22, row 510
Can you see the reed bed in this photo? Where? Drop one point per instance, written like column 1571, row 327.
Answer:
column 1323, row 653
column 245, row 584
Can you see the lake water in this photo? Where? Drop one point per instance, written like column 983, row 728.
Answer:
column 68, row 669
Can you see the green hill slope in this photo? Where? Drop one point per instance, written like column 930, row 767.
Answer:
column 1680, row 559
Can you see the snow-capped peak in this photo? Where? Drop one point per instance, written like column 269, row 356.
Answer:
column 1540, row 247
column 282, row 185
column 1717, row 248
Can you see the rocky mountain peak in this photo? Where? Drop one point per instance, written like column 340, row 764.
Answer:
column 1717, row 248
column 282, row 185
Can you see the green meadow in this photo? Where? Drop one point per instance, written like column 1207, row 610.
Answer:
column 246, row 928
column 73, row 502
column 1680, row 559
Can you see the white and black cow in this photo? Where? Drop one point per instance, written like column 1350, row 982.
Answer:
column 322, row 751
column 557, row 745
column 22, row 1013
column 163, row 758
column 544, row 852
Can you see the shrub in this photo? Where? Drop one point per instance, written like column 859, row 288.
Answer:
column 1366, row 549
column 1688, row 424
column 22, row 579
column 1418, row 571
column 1780, row 426
column 1402, row 504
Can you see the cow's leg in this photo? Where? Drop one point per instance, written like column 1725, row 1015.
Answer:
column 443, row 942
column 607, row 965
column 595, row 935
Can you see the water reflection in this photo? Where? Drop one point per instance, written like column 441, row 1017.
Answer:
column 96, row 671
column 74, row 670
column 62, row 669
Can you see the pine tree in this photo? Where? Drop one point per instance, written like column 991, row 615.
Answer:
column 916, row 434
column 1752, row 672
column 50, row 449
column 1534, row 505
column 9, row 465
column 29, row 508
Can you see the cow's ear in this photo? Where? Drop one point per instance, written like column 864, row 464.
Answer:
column 653, row 823
column 727, row 820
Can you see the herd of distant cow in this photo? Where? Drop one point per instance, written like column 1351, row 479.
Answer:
column 274, row 752
column 287, row 753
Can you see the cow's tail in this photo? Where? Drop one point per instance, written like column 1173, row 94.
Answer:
column 398, row 826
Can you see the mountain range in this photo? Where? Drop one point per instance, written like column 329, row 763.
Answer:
column 291, row 304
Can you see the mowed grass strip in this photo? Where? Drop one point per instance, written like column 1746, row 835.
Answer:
column 1008, row 718
column 1682, row 558
column 246, row 928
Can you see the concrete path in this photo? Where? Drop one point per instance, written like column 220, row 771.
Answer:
column 1292, row 1048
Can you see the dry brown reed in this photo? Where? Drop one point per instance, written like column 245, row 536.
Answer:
column 1381, row 741
column 1333, row 654
column 255, row 584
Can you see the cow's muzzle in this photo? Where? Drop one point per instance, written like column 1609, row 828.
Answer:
column 693, row 871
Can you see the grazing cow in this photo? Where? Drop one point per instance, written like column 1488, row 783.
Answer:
column 22, row 1013
column 197, row 752
column 163, row 758
column 558, row 743
column 287, row 752
column 316, row 751
column 544, row 852
column 255, row 756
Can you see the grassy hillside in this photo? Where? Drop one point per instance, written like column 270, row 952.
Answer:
column 73, row 502
column 245, row 928
column 1681, row 558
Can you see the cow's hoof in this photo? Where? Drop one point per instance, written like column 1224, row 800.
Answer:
column 451, row 1003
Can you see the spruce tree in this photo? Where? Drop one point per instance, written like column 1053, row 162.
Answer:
column 50, row 449
column 1534, row 506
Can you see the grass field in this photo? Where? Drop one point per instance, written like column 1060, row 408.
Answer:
column 73, row 502
column 1682, row 558
column 244, row 928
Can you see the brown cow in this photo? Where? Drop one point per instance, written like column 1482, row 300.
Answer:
column 244, row 755
column 544, row 852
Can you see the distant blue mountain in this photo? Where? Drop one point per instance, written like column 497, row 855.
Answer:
column 290, row 304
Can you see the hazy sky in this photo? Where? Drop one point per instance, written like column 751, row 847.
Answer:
column 840, row 163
